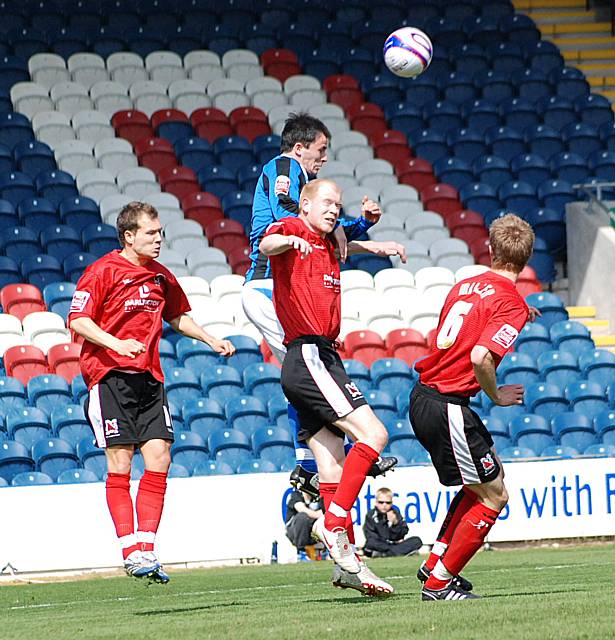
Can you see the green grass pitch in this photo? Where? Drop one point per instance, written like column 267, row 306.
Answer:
column 539, row 593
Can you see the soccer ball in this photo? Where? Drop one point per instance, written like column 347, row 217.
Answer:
column 407, row 52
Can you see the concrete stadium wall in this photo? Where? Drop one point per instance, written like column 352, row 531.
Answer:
column 232, row 519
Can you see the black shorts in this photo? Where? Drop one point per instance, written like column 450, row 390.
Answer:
column 456, row 438
column 316, row 384
column 128, row 408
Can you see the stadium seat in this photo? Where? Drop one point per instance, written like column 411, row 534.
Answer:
column 510, row 454
column 246, row 414
column 568, row 335
column 48, row 391
column 54, row 455
column 256, row 466
column 531, row 431
column 559, row 451
column 365, row 346
column 14, row 459
column 545, row 399
column 574, row 429
column 586, row 397
column 518, row 368
column 194, row 354
column 29, row 479
column 214, row 468
column 230, row 446
column 181, row 385
column 391, row 375
column 12, row 394
column 558, row 367
column 41, row 270
column 221, row 383
column 550, row 306
column 77, row 476
column 598, row 366
column 24, row 362
column 27, row 425
column 57, row 297
column 261, row 380
column 203, row 416
column 68, row 422
column 189, row 450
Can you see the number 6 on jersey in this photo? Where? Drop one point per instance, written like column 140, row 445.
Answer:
column 452, row 324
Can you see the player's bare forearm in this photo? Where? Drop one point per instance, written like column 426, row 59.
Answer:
column 385, row 248
column 88, row 329
column 484, row 370
column 185, row 325
column 276, row 243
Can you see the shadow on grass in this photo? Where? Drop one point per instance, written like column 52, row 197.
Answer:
column 205, row 607
column 531, row 593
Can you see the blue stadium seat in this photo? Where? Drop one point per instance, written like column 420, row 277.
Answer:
column 60, row 241
column 495, row 86
column 469, row 58
column 505, row 142
column 9, row 271
column 16, row 186
column 545, row 56
column 550, row 306
column 532, row 85
column 428, row 143
column 221, row 383
column 480, row 197
column 27, row 425
column 12, row 394
column 217, row 179
column 359, row 373
column 392, row 375
column 246, row 414
column 79, row 389
column 14, row 458
column 480, row 115
column 31, row 479
column 506, row 56
column 274, row 438
column 181, row 385
column 237, row 205
column 595, row 109
column 404, row 116
column 382, row 404
column 600, row 450
column 99, row 239
column 558, row 367
column 586, row 397
column 604, row 424
column 517, row 368
column 467, row 144
column 41, row 270
column 568, row 335
column 582, row 138
column 557, row 111
column 560, row 451
column 545, row 399
column 266, row 147
column 78, row 212
column 55, row 185
column 257, row 466
column 519, row 113
column 422, row 90
column 550, row 226
column 570, row 167
column 54, row 455
column 14, row 127
column 230, row 446
column 19, row 242
column 261, row 380
column 410, row 449
column 75, row 264
column 569, row 82
column 381, row 89
column 442, row 115
column 194, row 152
column 511, row 454
column 189, row 450
column 203, row 416
column 247, row 177
column 167, row 353
column 32, row 157
column 48, row 392
column 518, row 196
column 492, row 170
column 574, row 429
column 247, row 352
column 496, row 426
column 457, row 87
column 543, row 140
column 520, row 29
column 277, row 406
column 607, row 135
column 69, row 423
column 602, row 164
column 77, row 476
column 505, row 414
column 177, row 470
column 92, row 457
column 530, row 168
column 214, row 468
column 598, row 366
column 8, row 215
column 194, row 354
column 233, row 152
column 531, row 431
column 398, row 429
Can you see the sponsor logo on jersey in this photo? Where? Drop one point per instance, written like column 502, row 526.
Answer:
column 282, row 186
column 330, row 281
column 468, row 288
column 144, row 291
column 505, row 336
column 80, row 299
column 145, row 304
column 112, row 428
column 488, row 463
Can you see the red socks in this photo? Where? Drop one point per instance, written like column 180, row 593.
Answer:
column 460, row 505
column 150, row 500
column 327, row 491
column 467, row 539
column 358, row 463
column 120, row 507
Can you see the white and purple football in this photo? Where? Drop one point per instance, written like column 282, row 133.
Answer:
column 407, row 52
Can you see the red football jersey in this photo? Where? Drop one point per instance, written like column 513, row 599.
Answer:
column 127, row 301
column 306, row 291
column 483, row 310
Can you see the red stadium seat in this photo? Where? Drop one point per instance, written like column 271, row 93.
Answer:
column 282, row 70
column 64, row 360
column 155, row 154
column 391, row 145
column 528, row 282
column 226, row 235
column 417, row 172
column 21, row 299
column 168, row 115
column 249, row 122
column 24, row 362
column 271, row 56
column 366, row 117
column 339, row 81
column 467, row 225
column 203, row 207
column 178, row 180
column 132, row 125
column 441, row 198
column 239, row 259
column 480, row 250
column 406, row 344
column 366, row 346
column 347, row 98
column 211, row 123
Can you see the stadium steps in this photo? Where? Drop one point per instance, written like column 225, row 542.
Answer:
column 587, row 315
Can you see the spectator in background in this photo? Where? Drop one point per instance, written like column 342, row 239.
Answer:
column 302, row 511
column 385, row 529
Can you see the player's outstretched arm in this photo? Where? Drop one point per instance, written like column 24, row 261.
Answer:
column 88, row 329
column 484, row 370
column 277, row 243
column 185, row 325
column 384, row 248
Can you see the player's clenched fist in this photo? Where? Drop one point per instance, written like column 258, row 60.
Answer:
column 223, row 347
column 300, row 244
column 370, row 210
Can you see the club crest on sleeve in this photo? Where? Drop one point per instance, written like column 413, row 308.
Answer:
column 488, row 463
column 505, row 336
column 282, row 186
column 80, row 299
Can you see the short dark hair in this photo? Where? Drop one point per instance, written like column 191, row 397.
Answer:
column 128, row 217
column 302, row 128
